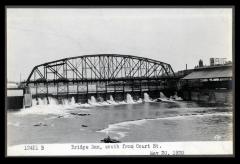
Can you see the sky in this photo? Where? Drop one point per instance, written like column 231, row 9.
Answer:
column 175, row 36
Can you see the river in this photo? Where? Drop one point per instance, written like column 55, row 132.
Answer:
column 130, row 121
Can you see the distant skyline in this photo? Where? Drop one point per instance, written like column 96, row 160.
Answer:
column 175, row 36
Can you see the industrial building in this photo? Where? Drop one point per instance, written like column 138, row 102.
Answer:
column 211, row 84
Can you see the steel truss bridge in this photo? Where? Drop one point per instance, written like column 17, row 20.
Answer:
column 100, row 75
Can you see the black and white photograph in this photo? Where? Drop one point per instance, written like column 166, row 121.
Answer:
column 105, row 81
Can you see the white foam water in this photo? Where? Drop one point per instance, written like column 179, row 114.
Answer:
column 53, row 107
column 42, row 101
column 163, row 98
column 122, row 102
column 162, row 95
column 129, row 99
column 34, row 102
column 65, row 101
column 171, row 99
column 43, row 110
column 176, row 97
column 112, row 101
column 43, row 106
column 104, row 103
column 111, row 98
column 139, row 100
column 121, row 128
column 72, row 102
column 53, row 101
column 86, row 105
column 147, row 98
column 166, row 100
column 93, row 101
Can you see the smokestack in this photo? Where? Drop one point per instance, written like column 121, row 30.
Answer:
column 200, row 63
column 186, row 66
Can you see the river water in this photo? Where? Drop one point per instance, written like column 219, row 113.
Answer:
column 127, row 121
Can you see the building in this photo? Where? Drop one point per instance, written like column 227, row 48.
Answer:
column 17, row 98
column 14, row 99
column 208, row 84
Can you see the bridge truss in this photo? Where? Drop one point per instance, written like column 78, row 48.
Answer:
column 101, row 73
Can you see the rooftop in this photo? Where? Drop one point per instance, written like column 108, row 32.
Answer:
column 223, row 71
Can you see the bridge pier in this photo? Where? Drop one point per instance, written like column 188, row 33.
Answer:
column 123, row 90
column 106, row 83
column 67, row 90
column 47, row 93
column 140, row 88
column 57, row 91
column 77, row 92
column 37, row 95
column 114, row 96
column 87, row 91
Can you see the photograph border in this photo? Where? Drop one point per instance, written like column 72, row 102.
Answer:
column 144, row 6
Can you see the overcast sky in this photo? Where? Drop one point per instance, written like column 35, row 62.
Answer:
column 174, row 36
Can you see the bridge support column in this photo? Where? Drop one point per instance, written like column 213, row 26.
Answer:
column 140, row 85
column 47, row 93
column 57, row 92
column 114, row 90
column 67, row 90
column 97, row 90
column 123, row 90
column 106, row 91
column 148, row 87
column 87, row 90
column 77, row 92
column 132, row 81
column 37, row 95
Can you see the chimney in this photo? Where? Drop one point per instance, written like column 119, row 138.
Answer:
column 200, row 63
